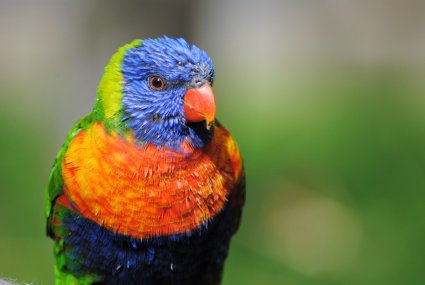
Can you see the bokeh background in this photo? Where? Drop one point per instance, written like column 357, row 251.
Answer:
column 325, row 98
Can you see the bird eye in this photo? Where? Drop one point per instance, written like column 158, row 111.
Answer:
column 156, row 83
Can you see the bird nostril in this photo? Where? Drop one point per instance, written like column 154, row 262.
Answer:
column 197, row 82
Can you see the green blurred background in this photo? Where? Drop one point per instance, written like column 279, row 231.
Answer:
column 325, row 98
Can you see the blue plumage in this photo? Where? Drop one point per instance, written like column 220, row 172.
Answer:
column 158, row 116
column 196, row 257
column 183, row 211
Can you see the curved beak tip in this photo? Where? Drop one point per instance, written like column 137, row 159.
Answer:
column 199, row 104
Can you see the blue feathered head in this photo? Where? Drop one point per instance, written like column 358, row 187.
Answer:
column 161, row 89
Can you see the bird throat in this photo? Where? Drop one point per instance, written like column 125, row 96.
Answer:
column 144, row 190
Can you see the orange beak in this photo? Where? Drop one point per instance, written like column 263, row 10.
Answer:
column 199, row 104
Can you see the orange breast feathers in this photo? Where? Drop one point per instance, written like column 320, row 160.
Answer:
column 145, row 191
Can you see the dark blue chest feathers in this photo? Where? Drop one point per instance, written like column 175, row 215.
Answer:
column 193, row 258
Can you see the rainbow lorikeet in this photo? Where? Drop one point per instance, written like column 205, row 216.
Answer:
column 148, row 188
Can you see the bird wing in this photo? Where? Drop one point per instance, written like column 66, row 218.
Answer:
column 55, row 183
column 237, row 195
column 237, row 201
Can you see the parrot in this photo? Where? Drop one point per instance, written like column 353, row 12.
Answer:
column 148, row 188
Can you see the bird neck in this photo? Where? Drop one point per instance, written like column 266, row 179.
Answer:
column 170, row 133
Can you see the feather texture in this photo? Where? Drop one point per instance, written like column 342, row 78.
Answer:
column 138, row 194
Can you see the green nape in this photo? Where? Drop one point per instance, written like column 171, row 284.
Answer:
column 109, row 94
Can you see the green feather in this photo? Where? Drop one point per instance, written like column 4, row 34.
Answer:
column 108, row 105
column 55, row 184
column 63, row 278
column 106, row 110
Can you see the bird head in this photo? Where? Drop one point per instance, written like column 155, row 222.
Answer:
column 161, row 90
